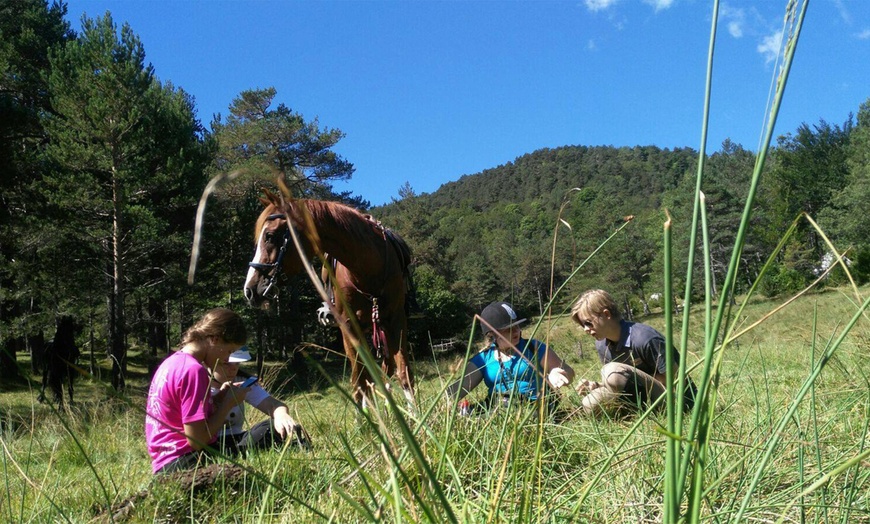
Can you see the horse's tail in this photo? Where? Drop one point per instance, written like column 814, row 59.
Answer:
column 403, row 251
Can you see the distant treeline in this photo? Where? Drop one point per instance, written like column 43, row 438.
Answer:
column 517, row 231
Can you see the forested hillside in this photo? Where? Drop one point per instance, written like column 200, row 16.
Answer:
column 103, row 165
column 517, row 231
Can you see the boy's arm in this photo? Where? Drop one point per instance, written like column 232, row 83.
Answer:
column 280, row 415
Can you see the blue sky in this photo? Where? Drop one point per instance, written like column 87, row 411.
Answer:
column 427, row 92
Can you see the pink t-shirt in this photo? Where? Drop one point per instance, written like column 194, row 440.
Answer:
column 178, row 395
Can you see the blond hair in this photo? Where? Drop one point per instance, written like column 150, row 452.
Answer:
column 594, row 302
column 222, row 323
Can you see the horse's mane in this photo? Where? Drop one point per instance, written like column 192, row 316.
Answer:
column 345, row 217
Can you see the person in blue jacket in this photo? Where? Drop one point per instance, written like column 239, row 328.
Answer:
column 510, row 365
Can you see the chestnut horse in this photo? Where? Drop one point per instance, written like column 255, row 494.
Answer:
column 371, row 274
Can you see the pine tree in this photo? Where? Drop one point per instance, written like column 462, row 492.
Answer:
column 127, row 156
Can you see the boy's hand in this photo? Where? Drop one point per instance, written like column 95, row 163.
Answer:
column 585, row 386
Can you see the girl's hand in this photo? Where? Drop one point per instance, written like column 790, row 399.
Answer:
column 232, row 393
column 284, row 424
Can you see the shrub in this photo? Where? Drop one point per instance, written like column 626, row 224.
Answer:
column 781, row 280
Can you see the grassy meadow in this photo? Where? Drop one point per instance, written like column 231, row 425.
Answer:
column 506, row 466
column 779, row 433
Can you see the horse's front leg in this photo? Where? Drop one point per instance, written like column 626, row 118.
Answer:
column 70, row 387
column 406, row 376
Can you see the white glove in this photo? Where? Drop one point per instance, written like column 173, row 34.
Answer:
column 557, row 378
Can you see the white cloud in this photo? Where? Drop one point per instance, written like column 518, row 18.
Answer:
column 659, row 4
column 590, row 45
column 734, row 20
column 735, row 29
column 864, row 35
column 599, row 5
column 844, row 13
column 770, row 45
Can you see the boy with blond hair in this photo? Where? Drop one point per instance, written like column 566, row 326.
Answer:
column 633, row 354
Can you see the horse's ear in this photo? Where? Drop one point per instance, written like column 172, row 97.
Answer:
column 270, row 198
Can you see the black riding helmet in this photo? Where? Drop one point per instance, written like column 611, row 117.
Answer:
column 499, row 316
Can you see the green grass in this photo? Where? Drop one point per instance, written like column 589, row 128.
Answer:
column 505, row 467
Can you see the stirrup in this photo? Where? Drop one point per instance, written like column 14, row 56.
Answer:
column 324, row 315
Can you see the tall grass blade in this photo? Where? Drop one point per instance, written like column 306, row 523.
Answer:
column 703, row 415
column 774, row 439
column 679, row 482
column 815, row 425
column 672, row 492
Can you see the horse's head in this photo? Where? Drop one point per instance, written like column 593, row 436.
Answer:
column 275, row 253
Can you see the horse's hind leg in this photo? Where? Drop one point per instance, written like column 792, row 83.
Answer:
column 359, row 377
column 403, row 370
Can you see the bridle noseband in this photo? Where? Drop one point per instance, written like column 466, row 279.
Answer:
column 272, row 270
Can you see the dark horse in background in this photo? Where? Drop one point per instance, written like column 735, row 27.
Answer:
column 59, row 360
column 372, row 279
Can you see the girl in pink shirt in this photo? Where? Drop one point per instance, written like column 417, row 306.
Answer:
column 182, row 417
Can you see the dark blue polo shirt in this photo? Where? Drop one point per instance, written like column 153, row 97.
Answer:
column 639, row 345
